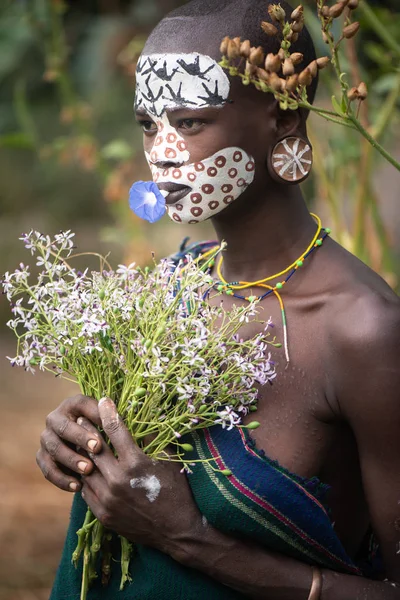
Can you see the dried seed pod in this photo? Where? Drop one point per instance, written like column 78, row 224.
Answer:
column 362, row 91
column 233, row 50
column 275, row 82
column 245, row 48
column 323, row 61
column 250, row 69
column 296, row 58
column 313, row 68
column 268, row 28
column 224, row 45
column 276, row 12
column 353, row 94
column 351, row 30
column 273, row 63
column 336, row 10
column 325, row 11
column 292, row 82
column 237, row 41
column 305, row 77
column 288, row 67
column 257, row 56
column 263, row 75
column 297, row 14
column 353, row 4
column 297, row 26
column 281, row 54
column 294, row 38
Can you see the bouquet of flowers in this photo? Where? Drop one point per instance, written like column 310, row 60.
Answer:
column 148, row 339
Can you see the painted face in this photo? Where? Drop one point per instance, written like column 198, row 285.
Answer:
column 197, row 190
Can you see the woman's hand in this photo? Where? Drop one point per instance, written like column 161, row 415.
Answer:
column 144, row 500
column 58, row 457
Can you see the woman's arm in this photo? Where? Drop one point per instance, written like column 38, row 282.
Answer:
column 151, row 503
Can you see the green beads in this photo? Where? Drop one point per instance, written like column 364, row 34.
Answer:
column 328, row 230
column 229, row 292
column 318, row 243
column 299, row 263
column 220, row 288
column 279, row 286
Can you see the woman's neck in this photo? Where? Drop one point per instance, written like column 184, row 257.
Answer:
column 265, row 239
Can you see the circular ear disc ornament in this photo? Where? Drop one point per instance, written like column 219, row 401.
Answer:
column 292, row 160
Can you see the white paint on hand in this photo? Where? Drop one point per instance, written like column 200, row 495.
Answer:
column 150, row 483
column 204, row 521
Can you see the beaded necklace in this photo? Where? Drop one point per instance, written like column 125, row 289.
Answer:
column 229, row 288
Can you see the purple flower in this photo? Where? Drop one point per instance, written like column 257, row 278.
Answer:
column 146, row 201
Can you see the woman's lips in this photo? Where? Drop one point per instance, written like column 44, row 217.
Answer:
column 175, row 191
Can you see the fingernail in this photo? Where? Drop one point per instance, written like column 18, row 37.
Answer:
column 92, row 444
column 80, row 421
column 82, row 466
column 73, row 486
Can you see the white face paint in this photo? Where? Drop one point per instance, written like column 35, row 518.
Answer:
column 150, row 483
column 170, row 82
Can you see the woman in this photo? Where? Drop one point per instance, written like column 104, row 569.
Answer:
column 223, row 151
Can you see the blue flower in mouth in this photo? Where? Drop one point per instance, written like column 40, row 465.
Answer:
column 146, row 201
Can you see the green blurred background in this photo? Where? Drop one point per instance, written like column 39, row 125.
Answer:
column 69, row 151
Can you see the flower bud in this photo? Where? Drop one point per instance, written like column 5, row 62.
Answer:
column 102, row 294
column 224, row 45
column 305, row 77
column 362, row 91
column 313, row 68
column 352, row 94
column 140, row 392
column 268, row 28
column 351, row 30
column 233, row 50
column 276, row 12
column 253, row 425
column 272, row 63
column 353, row 4
column 250, row 70
column 288, row 67
column 245, row 48
column 263, row 75
column 187, row 447
column 275, row 82
column 336, row 10
column 294, row 38
column 297, row 14
column 281, row 54
column 297, row 26
column 292, row 82
column 296, row 58
column 226, row 472
column 325, row 11
column 256, row 56
column 203, row 408
column 323, row 61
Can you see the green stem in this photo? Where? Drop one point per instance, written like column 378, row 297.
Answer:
column 386, row 112
column 126, row 551
column 82, row 534
column 373, row 142
column 379, row 28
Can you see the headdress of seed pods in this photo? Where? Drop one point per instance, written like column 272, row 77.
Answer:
column 285, row 74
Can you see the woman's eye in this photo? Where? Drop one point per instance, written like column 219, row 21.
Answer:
column 190, row 124
column 148, row 126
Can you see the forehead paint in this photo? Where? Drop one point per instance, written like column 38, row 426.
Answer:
column 171, row 81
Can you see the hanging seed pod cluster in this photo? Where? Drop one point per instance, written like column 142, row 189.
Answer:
column 285, row 73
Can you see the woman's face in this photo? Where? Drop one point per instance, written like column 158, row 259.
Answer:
column 194, row 137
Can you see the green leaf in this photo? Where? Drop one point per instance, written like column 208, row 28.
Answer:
column 337, row 107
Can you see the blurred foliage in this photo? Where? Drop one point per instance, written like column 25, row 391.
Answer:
column 69, row 149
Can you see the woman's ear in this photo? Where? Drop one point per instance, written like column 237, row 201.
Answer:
column 290, row 157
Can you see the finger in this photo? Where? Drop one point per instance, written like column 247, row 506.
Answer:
column 60, row 453
column 106, row 462
column 54, row 474
column 92, row 501
column 116, row 430
column 67, row 429
column 83, row 406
